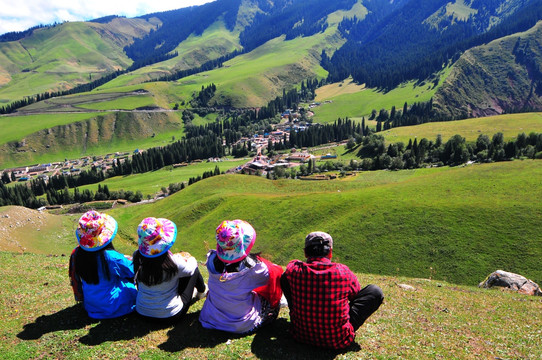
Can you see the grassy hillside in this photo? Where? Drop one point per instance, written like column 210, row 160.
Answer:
column 437, row 320
column 509, row 125
column 252, row 79
column 348, row 99
column 57, row 58
column 494, row 78
column 51, row 137
column 454, row 224
column 462, row 223
column 152, row 182
column 215, row 42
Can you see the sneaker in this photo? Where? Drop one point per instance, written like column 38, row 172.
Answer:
column 283, row 301
column 200, row 295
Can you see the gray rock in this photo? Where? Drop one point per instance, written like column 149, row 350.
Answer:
column 511, row 281
column 406, row 287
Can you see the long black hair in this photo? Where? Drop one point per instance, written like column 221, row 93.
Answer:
column 153, row 271
column 87, row 262
column 248, row 262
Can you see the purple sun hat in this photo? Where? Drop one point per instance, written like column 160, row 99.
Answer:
column 234, row 240
column 156, row 236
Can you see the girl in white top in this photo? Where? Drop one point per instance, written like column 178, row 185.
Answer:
column 167, row 283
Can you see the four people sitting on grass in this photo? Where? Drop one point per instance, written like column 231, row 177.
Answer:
column 326, row 302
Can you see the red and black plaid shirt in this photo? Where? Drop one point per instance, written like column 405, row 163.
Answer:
column 320, row 294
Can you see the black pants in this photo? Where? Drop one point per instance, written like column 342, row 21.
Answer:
column 187, row 285
column 366, row 302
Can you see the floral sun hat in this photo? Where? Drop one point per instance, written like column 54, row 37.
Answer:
column 234, row 240
column 95, row 230
column 156, row 236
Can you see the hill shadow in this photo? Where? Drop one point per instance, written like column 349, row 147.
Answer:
column 275, row 342
column 72, row 318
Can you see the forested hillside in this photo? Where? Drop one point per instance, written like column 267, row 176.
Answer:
column 419, row 38
column 255, row 50
column 507, row 69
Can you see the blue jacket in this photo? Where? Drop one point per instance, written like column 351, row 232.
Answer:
column 115, row 297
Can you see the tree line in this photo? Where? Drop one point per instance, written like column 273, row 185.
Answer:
column 178, row 25
column 373, row 154
column 29, row 196
column 277, row 18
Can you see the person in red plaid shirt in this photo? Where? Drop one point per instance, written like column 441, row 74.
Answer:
column 327, row 304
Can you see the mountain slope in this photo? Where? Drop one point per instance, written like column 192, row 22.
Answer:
column 417, row 38
column 60, row 57
column 502, row 76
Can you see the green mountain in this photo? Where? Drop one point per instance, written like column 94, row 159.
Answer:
column 60, row 57
column 254, row 50
column 502, row 76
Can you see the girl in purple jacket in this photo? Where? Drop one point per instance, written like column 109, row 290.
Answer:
column 234, row 273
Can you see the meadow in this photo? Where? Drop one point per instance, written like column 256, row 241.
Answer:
column 348, row 99
column 61, row 56
column 15, row 128
column 435, row 320
column 510, row 125
column 440, row 230
column 151, row 183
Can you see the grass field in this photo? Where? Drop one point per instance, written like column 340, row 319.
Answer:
column 150, row 183
column 437, row 320
column 57, row 58
column 17, row 127
column 454, row 224
column 510, row 125
column 354, row 101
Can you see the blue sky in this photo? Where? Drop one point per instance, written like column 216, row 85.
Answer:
column 17, row 15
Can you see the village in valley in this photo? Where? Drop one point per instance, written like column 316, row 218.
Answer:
column 261, row 164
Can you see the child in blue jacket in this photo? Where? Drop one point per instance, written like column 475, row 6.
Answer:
column 101, row 277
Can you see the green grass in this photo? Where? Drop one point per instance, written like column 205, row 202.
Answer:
column 124, row 103
column 354, row 101
column 438, row 320
column 17, row 127
column 68, row 54
column 254, row 78
column 215, row 41
column 510, row 125
column 454, row 224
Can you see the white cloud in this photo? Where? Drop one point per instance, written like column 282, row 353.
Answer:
column 16, row 15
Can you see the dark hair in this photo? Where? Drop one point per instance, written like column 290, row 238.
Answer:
column 87, row 262
column 317, row 250
column 249, row 261
column 154, row 271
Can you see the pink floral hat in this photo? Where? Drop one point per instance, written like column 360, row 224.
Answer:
column 95, row 230
column 234, row 240
column 156, row 236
